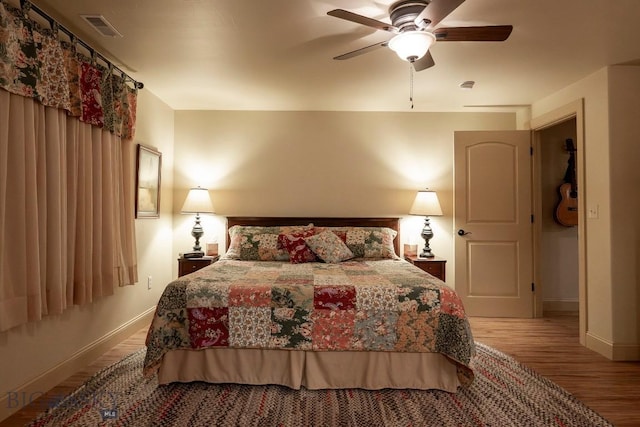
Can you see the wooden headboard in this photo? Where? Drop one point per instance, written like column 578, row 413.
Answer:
column 392, row 223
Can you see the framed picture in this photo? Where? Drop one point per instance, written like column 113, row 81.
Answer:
column 148, row 164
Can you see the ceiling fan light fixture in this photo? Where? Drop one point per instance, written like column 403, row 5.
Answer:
column 412, row 45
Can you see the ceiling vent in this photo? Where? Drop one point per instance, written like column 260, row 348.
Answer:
column 101, row 25
column 468, row 85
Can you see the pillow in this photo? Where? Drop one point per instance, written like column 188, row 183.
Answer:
column 328, row 247
column 366, row 242
column 255, row 243
column 295, row 245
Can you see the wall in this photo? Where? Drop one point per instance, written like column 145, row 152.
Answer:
column 624, row 112
column 321, row 164
column 559, row 244
column 38, row 355
column 153, row 236
column 611, row 259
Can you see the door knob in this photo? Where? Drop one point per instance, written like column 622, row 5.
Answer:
column 461, row 232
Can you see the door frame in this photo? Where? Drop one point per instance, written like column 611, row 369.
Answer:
column 537, row 124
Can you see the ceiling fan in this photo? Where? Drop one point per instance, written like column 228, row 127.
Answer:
column 413, row 22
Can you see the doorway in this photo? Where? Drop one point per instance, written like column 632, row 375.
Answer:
column 564, row 122
column 557, row 233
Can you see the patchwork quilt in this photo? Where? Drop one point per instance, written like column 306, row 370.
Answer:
column 360, row 305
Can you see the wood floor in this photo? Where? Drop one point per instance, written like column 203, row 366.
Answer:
column 548, row 345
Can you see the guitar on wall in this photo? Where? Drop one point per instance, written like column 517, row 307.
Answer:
column 567, row 209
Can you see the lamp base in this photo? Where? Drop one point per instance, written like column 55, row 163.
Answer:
column 426, row 254
column 197, row 233
column 427, row 234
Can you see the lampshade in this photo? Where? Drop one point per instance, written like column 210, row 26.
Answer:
column 412, row 45
column 198, row 201
column 426, row 203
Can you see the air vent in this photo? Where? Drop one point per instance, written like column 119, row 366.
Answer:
column 468, row 85
column 101, row 25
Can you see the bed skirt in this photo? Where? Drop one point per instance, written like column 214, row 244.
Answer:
column 312, row 370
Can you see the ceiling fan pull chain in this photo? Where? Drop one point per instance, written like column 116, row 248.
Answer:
column 411, row 84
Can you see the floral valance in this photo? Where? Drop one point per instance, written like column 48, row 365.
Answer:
column 35, row 63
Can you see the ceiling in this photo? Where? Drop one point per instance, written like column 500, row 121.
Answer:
column 277, row 54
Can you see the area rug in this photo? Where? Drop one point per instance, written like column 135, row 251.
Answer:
column 504, row 393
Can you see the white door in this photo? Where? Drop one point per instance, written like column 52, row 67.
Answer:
column 492, row 219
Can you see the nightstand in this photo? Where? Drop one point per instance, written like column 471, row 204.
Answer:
column 189, row 265
column 434, row 266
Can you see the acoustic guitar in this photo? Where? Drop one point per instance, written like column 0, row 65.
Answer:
column 567, row 209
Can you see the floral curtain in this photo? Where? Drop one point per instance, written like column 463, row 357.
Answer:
column 35, row 63
column 66, row 175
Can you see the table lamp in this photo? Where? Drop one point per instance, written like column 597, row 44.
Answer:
column 426, row 203
column 198, row 201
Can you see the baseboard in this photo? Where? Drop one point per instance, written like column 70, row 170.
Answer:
column 613, row 351
column 29, row 391
column 560, row 305
column 626, row 352
column 599, row 345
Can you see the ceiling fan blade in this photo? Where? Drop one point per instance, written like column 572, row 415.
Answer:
column 493, row 33
column 359, row 19
column 361, row 51
column 435, row 12
column 424, row 62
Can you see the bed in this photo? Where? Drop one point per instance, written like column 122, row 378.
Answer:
column 288, row 305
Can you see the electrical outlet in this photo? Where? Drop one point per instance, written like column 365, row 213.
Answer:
column 148, row 282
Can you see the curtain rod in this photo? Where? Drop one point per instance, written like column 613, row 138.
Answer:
column 76, row 39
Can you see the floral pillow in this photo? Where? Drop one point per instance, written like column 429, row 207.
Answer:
column 254, row 243
column 329, row 247
column 366, row 242
column 295, row 245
